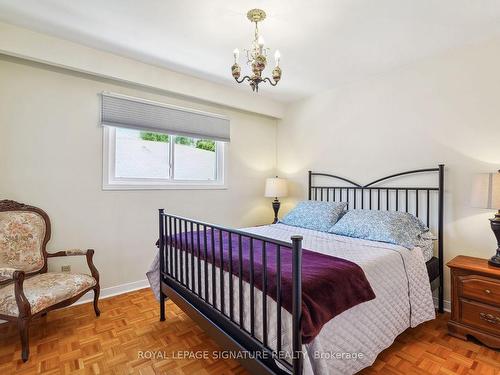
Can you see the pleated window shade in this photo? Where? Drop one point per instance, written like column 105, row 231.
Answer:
column 126, row 112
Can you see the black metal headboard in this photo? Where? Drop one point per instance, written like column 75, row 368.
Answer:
column 425, row 202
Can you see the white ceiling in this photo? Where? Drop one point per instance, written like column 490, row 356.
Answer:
column 323, row 43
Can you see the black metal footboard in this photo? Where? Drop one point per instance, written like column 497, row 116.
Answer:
column 195, row 281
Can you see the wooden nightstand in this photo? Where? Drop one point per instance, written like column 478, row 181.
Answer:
column 475, row 300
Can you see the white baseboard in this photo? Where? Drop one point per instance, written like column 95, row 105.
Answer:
column 447, row 304
column 114, row 291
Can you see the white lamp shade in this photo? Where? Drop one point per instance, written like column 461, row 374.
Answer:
column 276, row 187
column 485, row 192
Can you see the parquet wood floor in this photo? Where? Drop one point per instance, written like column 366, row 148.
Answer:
column 72, row 341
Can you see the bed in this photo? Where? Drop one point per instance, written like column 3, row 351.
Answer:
column 264, row 328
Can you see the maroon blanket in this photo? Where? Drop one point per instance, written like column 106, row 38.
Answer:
column 330, row 285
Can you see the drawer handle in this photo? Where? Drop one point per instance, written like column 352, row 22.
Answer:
column 490, row 318
column 487, row 291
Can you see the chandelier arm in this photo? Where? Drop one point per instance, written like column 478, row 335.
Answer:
column 271, row 82
column 243, row 79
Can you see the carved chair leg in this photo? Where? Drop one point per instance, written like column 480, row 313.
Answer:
column 23, row 325
column 97, row 291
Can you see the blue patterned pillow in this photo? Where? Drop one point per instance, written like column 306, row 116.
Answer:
column 314, row 215
column 399, row 228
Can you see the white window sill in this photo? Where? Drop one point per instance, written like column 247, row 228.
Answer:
column 165, row 187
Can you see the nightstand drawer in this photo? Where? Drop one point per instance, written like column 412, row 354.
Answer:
column 480, row 315
column 480, row 288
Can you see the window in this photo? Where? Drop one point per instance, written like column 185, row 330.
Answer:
column 151, row 145
column 136, row 159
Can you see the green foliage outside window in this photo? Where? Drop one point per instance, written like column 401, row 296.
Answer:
column 179, row 140
column 205, row 144
column 202, row 144
column 156, row 137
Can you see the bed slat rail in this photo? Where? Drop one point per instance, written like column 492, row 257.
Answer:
column 387, row 198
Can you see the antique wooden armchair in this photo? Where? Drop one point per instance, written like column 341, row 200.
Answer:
column 27, row 290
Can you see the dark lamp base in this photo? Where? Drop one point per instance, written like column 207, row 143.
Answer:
column 276, row 208
column 494, row 261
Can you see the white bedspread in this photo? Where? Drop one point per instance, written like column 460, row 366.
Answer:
column 397, row 275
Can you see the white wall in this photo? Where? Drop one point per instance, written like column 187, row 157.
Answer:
column 51, row 157
column 31, row 45
column 441, row 110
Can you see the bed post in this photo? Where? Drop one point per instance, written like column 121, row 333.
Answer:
column 309, row 187
column 161, row 247
column 441, row 240
column 297, row 305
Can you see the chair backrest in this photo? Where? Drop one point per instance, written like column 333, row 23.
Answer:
column 24, row 233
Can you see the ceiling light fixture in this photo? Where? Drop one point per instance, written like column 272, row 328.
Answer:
column 256, row 56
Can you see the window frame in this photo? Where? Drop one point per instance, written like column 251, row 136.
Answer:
column 110, row 182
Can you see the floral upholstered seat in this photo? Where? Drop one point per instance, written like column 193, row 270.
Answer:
column 45, row 290
column 27, row 290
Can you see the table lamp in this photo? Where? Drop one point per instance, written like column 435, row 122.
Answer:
column 276, row 187
column 485, row 193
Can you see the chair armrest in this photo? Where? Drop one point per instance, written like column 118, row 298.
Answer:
column 68, row 253
column 7, row 273
column 22, row 302
column 90, row 263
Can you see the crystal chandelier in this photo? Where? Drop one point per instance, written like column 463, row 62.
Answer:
column 256, row 57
